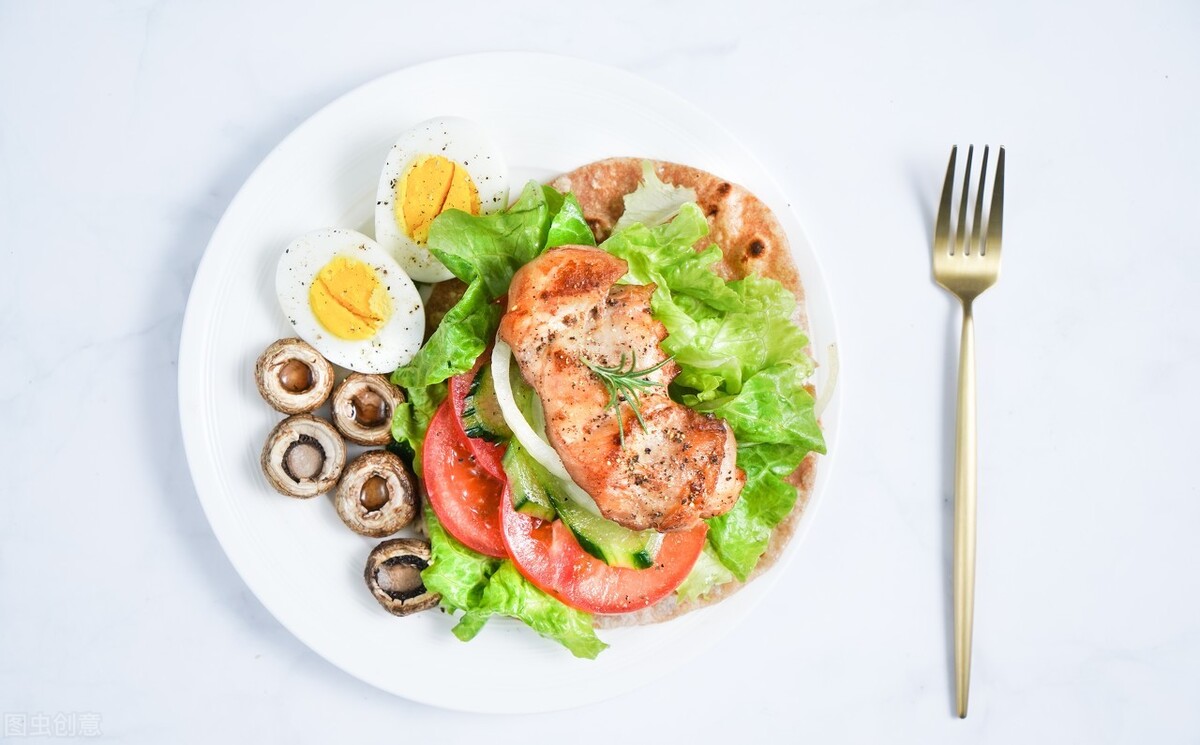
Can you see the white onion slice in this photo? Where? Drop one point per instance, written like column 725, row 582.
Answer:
column 830, row 381
column 534, row 444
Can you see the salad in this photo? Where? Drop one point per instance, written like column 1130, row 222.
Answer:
column 606, row 420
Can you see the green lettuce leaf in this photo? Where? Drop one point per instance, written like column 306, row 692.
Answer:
column 491, row 248
column 773, row 407
column 411, row 420
column 459, row 339
column 740, row 536
column 510, row 594
column 653, row 202
column 568, row 228
column 775, row 426
column 718, row 351
column 707, row 573
column 481, row 587
column 455, row 572
column 663, row 255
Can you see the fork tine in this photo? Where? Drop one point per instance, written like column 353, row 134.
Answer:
column 960, row 237
column 996, row 213
column 977, row 223
column 941, row 231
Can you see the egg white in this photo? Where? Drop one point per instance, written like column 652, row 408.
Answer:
column 459, row 140
column 394, row 344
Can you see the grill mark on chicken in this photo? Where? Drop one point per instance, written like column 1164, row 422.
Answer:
column 565, row 307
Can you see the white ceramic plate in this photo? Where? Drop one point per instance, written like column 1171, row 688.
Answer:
column 549, row 115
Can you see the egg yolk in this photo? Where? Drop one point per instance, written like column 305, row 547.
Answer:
column 348, row 299
column 430, row 186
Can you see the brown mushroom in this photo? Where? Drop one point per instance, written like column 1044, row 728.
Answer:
column 293, row 377
column 377, row 496
column 363, row 407
column 303, row 456
column 393, row 575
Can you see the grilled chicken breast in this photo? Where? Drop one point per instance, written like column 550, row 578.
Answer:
column 565, row 308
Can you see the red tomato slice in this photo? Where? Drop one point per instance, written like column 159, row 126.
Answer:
column 550, row 557
column 487, row 454
column 466, row 499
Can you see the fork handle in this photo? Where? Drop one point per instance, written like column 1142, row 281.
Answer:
column 964, row 512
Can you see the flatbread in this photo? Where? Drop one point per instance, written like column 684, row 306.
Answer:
column 752, row 242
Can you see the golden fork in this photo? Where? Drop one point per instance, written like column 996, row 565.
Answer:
column 966, row 266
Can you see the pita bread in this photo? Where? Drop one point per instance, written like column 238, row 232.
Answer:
column 753, row 242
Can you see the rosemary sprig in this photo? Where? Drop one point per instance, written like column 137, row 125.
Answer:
column 626, row 384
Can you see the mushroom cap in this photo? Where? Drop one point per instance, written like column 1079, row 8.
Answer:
column 303, row 456
column 377, row 496
column 293, row 377
column 393, row 575
column 363, row 406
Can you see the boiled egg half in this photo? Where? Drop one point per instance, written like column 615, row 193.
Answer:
column 440, row 164
column 346, row 296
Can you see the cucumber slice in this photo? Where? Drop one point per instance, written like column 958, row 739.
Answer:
column 535, row 491
column 529, row 483
column 481, row 416
column 613, row 544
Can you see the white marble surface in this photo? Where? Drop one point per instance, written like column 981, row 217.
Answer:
column 126, row 128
